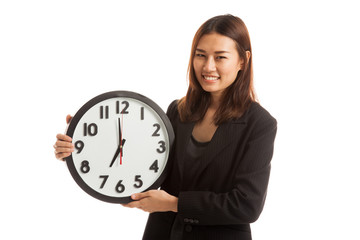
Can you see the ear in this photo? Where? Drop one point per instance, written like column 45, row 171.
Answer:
column 248, row 55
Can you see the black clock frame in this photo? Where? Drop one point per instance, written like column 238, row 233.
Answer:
column 75, row 120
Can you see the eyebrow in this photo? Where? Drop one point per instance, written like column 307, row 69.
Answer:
column 217, row 52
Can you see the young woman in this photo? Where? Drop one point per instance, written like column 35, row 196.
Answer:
column 223, row 148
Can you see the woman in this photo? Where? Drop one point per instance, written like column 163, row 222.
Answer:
column 224, row 144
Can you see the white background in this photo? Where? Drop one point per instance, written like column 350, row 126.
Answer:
column 56, row 55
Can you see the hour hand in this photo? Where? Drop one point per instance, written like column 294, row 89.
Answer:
column 115, row 155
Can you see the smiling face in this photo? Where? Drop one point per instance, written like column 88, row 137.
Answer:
column 216, row 63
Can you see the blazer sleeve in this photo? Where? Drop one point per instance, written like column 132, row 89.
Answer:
column 244, row 203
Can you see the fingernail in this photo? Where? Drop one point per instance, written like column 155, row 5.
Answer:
column 133, row 196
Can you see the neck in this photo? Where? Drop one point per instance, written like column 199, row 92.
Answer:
column 215, row 101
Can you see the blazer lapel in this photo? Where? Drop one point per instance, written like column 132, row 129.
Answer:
column 184, row 131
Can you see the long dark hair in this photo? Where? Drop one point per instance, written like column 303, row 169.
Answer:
column 237, row 98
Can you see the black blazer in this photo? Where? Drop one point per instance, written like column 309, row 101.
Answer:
column 230, row 188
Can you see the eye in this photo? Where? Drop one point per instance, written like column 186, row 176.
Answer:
column 220, row 57
column 199, row 55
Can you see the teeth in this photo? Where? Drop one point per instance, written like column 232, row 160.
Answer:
column 211, row 78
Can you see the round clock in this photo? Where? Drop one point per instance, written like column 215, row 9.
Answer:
column 122, row 142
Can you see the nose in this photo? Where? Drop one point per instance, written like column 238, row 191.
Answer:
column 209, row 65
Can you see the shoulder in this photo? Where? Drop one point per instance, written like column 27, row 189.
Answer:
column 172, row 111
column 259, row 120
column 258, row 113
column 173, row 106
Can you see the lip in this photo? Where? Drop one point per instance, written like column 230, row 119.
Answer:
column 210, row 78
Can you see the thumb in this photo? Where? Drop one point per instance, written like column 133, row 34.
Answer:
column 138, row 196
column 68, row 118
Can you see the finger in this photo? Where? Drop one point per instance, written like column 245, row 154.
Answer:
column 61, row 156
column 63, row 137
column 135, row 204
column 63, row 144
column 63, row 150
column 68, row 118
column 127, row 205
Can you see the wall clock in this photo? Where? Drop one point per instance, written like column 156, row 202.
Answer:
column 122, row 144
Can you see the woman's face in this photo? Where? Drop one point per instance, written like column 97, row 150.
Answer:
column 216, row 63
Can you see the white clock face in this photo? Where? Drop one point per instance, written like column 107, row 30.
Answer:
column 121, row 147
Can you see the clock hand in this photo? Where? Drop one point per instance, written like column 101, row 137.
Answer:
column 119, row 148
column 120, row 141
column 115, row 156
column 118, row 151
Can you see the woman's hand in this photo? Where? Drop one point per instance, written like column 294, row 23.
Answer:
column 154, row 201
column 63, row 146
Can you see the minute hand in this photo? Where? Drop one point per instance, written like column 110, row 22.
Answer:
column 120, row 141
column 121, row 144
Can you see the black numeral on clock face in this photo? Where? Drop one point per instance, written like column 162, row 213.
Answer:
column 105, row 178
column 156, row 132
column 142, row 113
column 91, row 129
column 85, row 168
column 154, row 166
column 138, row 181
column 104, row 112
column 120, row 187
column 79, row 145
column 124, row 110
column 162, row 147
